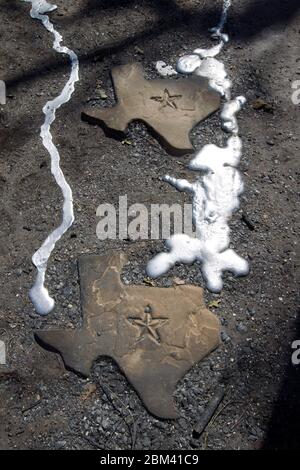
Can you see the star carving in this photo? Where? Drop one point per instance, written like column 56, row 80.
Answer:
column 167, row 99
column 148, row 326
column 169, row 107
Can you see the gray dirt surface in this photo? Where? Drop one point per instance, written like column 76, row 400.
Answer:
column 43, row 406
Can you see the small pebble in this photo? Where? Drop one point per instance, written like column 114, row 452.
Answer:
column 241, row 327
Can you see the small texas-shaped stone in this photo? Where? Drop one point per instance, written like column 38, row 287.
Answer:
column 155, row 335
column 170, row 107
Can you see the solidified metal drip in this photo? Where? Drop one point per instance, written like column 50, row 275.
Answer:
column 215, row 195
column 39, row 295
column 218, row 30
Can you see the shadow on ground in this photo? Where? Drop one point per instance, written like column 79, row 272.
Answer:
column 284, row 432
column 248, row 23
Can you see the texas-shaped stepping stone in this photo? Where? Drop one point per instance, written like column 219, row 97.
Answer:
column 155, row 335
column 170, row 107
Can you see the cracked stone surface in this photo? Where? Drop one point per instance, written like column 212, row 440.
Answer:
column 155, row 335
column 170, row 107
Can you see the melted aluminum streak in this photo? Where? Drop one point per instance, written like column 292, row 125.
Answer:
column 215, row 195
column 39, row 295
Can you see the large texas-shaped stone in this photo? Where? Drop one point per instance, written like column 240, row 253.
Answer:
column 170, row 107
column 155, row 335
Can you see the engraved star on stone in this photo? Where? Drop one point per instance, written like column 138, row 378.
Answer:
column 167, row 99
column 149, row 326
column 152, row 368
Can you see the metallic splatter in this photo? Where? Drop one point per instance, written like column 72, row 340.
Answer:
column 215, row 196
